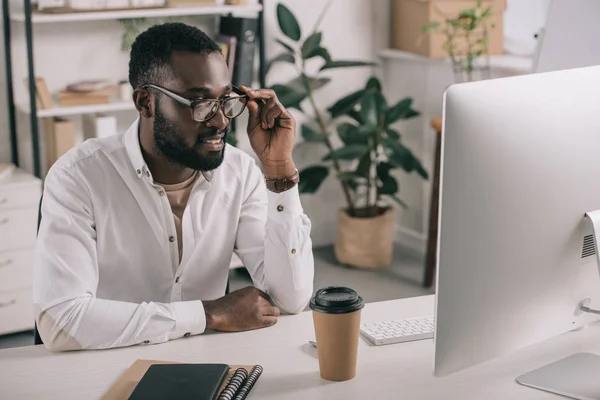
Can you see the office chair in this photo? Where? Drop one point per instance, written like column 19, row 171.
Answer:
column 36, row 335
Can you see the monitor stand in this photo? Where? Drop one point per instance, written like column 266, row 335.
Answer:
column 575, row 376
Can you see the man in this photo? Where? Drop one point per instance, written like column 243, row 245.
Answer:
column 138, row 229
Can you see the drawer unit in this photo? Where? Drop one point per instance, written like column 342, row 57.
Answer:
column 16, row 269
column 16, row 311
column 18, row 228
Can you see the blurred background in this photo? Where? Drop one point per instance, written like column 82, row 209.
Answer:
column 364, row 79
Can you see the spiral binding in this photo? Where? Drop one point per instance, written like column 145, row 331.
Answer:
column 252, row 378
column 234, row 384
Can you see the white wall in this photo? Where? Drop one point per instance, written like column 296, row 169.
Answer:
column 353, row 29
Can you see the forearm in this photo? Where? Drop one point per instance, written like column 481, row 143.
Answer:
column 89, row 323
column 288, row 257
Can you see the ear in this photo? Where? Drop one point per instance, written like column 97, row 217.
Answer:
column 143, row 102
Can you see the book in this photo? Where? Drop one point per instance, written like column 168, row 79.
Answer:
column 228, row 45
column 239, row 381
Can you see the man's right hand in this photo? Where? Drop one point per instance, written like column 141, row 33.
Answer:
column 241, row 310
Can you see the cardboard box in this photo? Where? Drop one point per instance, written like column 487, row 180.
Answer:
column 408, row 17
column 60, row 138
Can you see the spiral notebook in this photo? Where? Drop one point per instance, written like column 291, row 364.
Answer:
column 236, row 385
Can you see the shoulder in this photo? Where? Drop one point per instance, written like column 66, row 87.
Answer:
column 239, row 163
column 89, row 152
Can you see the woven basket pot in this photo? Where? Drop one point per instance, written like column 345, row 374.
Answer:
column 365, row 242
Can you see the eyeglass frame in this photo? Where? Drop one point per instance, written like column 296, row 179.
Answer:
column 193, row 103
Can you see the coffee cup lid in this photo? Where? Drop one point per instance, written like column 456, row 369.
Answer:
column 336, row 300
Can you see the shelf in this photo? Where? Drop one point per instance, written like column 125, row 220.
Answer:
column 80, row 110
column 517, row 63
column 48, row 18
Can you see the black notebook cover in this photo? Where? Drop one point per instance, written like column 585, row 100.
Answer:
column 181, row 381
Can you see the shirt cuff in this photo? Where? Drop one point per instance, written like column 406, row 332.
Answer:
column 189, row 319
column 284, row 204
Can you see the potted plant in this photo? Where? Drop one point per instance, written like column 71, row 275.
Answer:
column 466, row 41
column 371, row 148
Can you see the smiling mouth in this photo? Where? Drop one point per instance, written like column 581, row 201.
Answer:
column 215, row 139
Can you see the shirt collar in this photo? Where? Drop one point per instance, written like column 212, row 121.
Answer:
column 132, row 144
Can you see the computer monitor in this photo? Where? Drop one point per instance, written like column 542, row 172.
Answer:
column 570, row 36
column 516, row 254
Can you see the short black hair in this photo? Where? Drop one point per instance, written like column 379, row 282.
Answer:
column 150, row 56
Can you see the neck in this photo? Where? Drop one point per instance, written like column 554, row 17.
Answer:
column 162, row 170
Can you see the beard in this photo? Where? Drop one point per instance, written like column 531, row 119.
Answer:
column 170, row 141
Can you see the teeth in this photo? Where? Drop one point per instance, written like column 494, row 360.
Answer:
column 216, row 141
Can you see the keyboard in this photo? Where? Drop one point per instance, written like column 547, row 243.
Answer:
column 398, row 331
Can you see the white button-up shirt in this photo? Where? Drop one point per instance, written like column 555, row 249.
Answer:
column 107, row 271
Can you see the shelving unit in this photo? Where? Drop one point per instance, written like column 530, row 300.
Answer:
column 518, row 64
column 29, row 18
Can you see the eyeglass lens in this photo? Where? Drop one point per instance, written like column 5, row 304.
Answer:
column 231, row 108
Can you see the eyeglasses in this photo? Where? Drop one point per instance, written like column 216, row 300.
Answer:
column 205, row 109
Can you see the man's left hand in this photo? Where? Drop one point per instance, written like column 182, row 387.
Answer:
column 271, row 129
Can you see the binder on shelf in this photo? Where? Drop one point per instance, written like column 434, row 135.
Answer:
column 245, row 30
column 99, row 126
column 228, row 49
column 234, row 384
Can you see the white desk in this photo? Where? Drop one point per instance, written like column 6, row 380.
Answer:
column 290, row 366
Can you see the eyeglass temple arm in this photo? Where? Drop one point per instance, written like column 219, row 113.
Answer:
column 174, row 96
column 239, row 91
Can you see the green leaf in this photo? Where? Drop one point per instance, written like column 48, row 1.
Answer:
column 430, row 27
column 401, row 110
column 367, row 131
column 286, row 46
column 399, row 201
column 312, row 43
column 289, row 97
column 388, row 186
column 393, row 134
column 315, row 83
column 367, row 109
column 383, row 170
column 349, row 134
column 311, row 135
column 345, row 104
column 346, row 64
column 311, row 178
column 320, row 52
column 373, row 84
column 283, row 57
column 403, row 157
column 288, row 23
column 348, row 152
column 364, row 166
column 380, row 105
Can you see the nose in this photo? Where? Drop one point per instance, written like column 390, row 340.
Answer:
column 219, row 120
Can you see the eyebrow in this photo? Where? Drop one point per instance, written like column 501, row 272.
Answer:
column 202, row 90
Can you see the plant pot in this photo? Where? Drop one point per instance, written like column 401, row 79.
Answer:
column 365, row 242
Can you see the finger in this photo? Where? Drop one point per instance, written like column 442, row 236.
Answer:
column 272, row 114
column 270, row 108
column 255, row 94
column 269, row 321
column 271, row 311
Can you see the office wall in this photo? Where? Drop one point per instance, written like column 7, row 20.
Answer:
column 353, row 29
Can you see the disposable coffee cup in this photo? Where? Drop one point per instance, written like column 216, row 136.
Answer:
column 336, row 317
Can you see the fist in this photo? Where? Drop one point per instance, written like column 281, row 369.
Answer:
column 241, row 310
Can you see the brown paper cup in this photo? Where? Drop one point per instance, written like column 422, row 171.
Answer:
column 337, row 344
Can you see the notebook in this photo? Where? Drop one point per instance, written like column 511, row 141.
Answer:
column 235, row 384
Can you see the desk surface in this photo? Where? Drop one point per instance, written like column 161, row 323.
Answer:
column 290, row 364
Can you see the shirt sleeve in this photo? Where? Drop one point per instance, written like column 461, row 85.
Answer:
column 273, row 242
column 68, row 314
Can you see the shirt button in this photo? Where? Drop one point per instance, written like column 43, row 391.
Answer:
column 171, row 239
column 177, row 280
column 138, row 172
column 187, row 334
column 146, row 341
column 147, row 173
column 293, row 251
column 162, row 193
column 279, row 208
